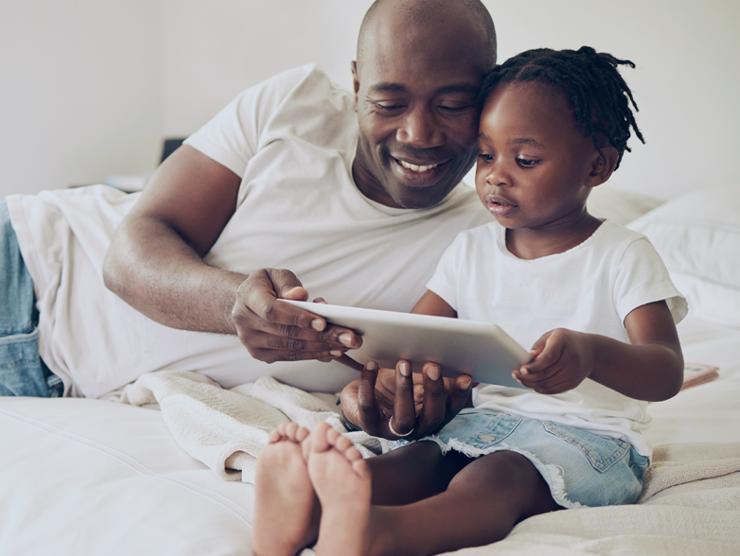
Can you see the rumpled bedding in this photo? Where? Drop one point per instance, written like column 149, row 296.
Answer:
column 690, row 503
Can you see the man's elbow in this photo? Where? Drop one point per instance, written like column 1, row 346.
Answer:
column 113, row 271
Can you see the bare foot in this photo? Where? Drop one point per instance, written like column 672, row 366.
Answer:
column 342, row 482
column 286, row 510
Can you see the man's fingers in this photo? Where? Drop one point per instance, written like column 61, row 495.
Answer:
column 404, row 410
column 433, row 411
column 460, row 389
column 286, row 284
column 368, row 411
column 260, row 294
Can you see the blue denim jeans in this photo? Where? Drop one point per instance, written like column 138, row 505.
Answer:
column 582, row 469
column 22, row 372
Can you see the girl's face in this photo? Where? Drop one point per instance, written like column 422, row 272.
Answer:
column 534, row 166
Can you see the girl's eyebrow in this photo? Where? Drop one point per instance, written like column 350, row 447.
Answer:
column 520, row 141
column 526, row 141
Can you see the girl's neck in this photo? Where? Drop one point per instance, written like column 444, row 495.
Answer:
column 529, row 243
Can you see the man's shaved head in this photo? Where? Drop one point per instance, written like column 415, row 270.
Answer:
column 430, row 13
column 420, row 66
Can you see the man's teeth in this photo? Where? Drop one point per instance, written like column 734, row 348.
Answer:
column 415, row 168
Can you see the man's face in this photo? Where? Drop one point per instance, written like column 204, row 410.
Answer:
column 414, row 95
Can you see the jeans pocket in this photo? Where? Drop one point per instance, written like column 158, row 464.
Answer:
column 601, row 451
column 20, row 366
column 483, row 435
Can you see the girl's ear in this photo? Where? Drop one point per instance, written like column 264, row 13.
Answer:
column 603, row 166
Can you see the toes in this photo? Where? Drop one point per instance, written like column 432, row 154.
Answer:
column 288, row 431
column 361, row 468
column 301, row 434
column 333, row 436
column 275, row 436
column 291, row 429
column 353, row 454
column 319, row 437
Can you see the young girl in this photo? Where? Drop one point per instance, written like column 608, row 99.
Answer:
column 592, row 298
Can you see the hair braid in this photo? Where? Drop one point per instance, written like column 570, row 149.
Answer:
column 598, row 94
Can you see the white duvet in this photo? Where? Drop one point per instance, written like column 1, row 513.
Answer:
column 82, row 476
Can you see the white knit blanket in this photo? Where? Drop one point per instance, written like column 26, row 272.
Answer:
column 690, row 504
column 226, row 429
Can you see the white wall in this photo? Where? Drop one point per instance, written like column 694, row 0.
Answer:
column 80, row 91
column 89, row 87
column 214, row 50
column 686, row 82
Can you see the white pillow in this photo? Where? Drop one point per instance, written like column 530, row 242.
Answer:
column 619, row 205
column 698, row 236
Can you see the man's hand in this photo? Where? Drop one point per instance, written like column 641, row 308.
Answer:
column 395, row 403
column 562, row 360
column 275, row 331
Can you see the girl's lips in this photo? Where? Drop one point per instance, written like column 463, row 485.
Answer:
column 500, row 207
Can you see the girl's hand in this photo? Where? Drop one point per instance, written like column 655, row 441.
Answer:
column 562, row 360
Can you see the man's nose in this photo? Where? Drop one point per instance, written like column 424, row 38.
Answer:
column 420, row 129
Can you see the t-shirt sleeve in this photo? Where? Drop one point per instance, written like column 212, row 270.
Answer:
column 643, row 278
column 444, row 282
column 232, row 137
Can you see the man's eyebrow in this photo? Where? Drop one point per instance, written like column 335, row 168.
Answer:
column 459, row 88
column 454, row 88
column 388, row 88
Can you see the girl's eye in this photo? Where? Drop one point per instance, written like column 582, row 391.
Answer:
column 485, row 157
column 526, row 162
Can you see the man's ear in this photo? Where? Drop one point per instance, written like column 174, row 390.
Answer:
column 355, row 81
column 603, row 166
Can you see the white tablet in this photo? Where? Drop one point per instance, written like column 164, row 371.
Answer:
column 479, row 349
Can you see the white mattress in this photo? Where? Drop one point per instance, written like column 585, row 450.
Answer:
column 80, row 476
column 709, row 412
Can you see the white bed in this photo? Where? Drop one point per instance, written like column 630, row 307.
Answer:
column 85, row 476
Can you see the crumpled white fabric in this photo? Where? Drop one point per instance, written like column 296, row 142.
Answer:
column 226, row 429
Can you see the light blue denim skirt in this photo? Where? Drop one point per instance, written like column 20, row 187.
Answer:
column 581, row 468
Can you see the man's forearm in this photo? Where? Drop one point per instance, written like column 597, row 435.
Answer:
column 150, row 267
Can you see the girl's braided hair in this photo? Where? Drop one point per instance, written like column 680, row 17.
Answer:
column 598, row 94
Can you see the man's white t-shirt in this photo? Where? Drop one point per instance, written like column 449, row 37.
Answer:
column 293, row 140
column 589, row 288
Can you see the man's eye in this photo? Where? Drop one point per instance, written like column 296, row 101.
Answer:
column 452, row 108
column 388, row 106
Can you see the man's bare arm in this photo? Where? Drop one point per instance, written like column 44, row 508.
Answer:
column 155, row 264
column 155, row 260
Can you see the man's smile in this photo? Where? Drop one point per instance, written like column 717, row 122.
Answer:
column 416, row 167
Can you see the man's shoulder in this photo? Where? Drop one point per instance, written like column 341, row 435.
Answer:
column 304, row 84
column 464, row 204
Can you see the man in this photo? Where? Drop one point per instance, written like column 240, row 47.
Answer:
column 358, row 206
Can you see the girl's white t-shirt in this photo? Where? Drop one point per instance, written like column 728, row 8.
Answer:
column 293, row 140
column 589, row 288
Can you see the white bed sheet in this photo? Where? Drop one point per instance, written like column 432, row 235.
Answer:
column 709, row 412
column 81, row 476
